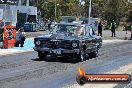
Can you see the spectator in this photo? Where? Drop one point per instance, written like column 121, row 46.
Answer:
column 112, row 27
column 100, row 29
column 20, row 38
column 49, row 25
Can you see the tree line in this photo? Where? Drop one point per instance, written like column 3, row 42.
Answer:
column 119, row 10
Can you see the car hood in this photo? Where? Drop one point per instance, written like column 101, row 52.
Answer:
column 60, row 36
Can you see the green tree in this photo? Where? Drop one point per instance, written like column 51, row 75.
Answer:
column 64, row 8
column 106, row 9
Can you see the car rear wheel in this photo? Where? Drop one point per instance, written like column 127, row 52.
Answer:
column 41, row 55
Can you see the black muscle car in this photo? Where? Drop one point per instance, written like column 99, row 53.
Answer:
column 69, row 39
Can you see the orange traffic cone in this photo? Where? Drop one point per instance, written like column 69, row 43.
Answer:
column 125, row 36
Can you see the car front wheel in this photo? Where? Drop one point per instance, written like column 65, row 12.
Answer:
column 94, row 54
column 41, row 55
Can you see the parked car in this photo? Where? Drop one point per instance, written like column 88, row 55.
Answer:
column 69, row 39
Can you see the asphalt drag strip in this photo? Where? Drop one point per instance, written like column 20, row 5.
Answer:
column 67, row 79
column 113, row 64
column 28, row 73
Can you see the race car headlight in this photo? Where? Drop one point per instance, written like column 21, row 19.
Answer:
column 74, row 44
column 38, row 42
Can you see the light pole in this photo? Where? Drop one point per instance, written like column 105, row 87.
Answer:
column 82, row 5
column 5, row 15
column 89, row 12
column 55, row 10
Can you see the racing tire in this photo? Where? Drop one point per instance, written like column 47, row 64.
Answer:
column 41, row 55
column 94, row 54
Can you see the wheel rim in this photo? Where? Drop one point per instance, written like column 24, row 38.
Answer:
column 97, row 51
column 81, row 57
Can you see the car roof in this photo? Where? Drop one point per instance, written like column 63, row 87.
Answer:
column 69, row 23
column 73, row 24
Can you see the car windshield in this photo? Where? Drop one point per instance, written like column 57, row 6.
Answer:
column 74, row 29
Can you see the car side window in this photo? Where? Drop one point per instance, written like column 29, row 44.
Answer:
column 83, row 32
column 80, row 31
column 87, row 31
column 92, row 32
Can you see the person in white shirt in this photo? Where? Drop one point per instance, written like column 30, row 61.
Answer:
column 20, row 38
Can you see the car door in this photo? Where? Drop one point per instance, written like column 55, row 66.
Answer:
column 92, row 36
column 89, row 41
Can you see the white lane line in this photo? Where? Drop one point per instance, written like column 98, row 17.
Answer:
column 12, row 51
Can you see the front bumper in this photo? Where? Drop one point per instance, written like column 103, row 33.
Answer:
column 56, row 51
